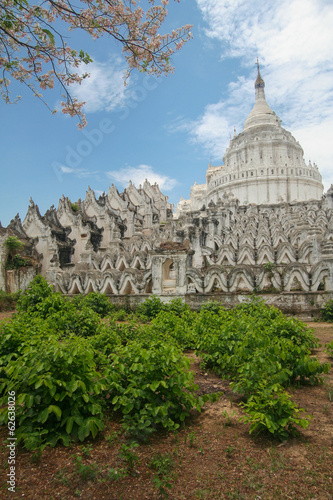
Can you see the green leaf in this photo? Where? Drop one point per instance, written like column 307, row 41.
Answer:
column 154, row 385
column 29, row 400
column 56, row 410
column 42, row 417
column 50, row 35
column 69, row 425
column 128, row 408
column 85, row 397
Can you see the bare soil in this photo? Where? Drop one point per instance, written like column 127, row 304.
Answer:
column 213, row 458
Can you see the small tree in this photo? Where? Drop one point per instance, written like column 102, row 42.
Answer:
column 13, row 246
column 33, row 48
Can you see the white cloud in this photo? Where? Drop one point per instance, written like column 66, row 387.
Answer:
column 104, row 90
column 138, row 175
column 294, row 41
column 78, row 172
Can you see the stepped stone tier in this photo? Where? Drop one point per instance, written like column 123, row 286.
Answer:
column 259, row 225
column 263, row 164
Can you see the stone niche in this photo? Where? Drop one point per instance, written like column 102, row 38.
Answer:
column 169, row 263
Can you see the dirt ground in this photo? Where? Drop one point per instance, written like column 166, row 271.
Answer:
column 213, row 458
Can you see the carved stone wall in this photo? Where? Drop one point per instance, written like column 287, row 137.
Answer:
column 223, row 249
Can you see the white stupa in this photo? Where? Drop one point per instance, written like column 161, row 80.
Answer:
column 264, row 164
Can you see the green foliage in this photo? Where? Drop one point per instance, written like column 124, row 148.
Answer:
column 83, row 322
column 63, row 380
column 177, row 307
column 119, row 315
column 212, row 306
column 329, row 348
column 271, row 409
column 75, row 207
column 131, row 330
column 59, row 392
column 261, row 351
column 327, row 312
column 98, row 302
column 50, row 305
column 179, row 329
column 86, row 472
column 17, row 261
column 63, row 316
column 19, row 332
column 150, row 308
column 37, row 291
column 8, row 300
column 163, row 465
column 269, row 267
column 129, row 456
column 104, row 345
column 152, row 387
column 13, row 245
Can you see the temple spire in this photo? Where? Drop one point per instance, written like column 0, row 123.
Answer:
column 259, row 85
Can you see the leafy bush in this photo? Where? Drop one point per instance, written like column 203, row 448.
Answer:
column 68, row 321
column 271, row 409
column 37, row 291
column 148, row 379
column 152, row 387
column 260, row 349
column 150, row 308
column 18, row 261
column 327, row 311
column 98, row 302
column 177, row 307
column 180, row 329
column 20, row 331
column 8, row 300
column 50, row 305
column 59, row 392
column 104, row 345
column 119, row 315
column 14, row 246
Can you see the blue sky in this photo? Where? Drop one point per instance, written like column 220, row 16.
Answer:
column 169, row 129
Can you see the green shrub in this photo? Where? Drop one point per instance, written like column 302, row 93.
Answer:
column 130, row 331
column 260, row 349
column 69, row 321
column 8, row 300
column 152, row 387
column 36, row 292
column 20, row 331
column 180, row 329
column 329, row 348
column 327, row 311
column 105, row 345
column 98, row 302
column 14, row 246
column 176, row 306
column 119, row 315
column 50, row 305
column 150, row 308
column 272, row 410
column 58, row 390
column 212, row 306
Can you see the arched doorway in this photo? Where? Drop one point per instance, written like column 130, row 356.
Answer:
column 168, row 276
